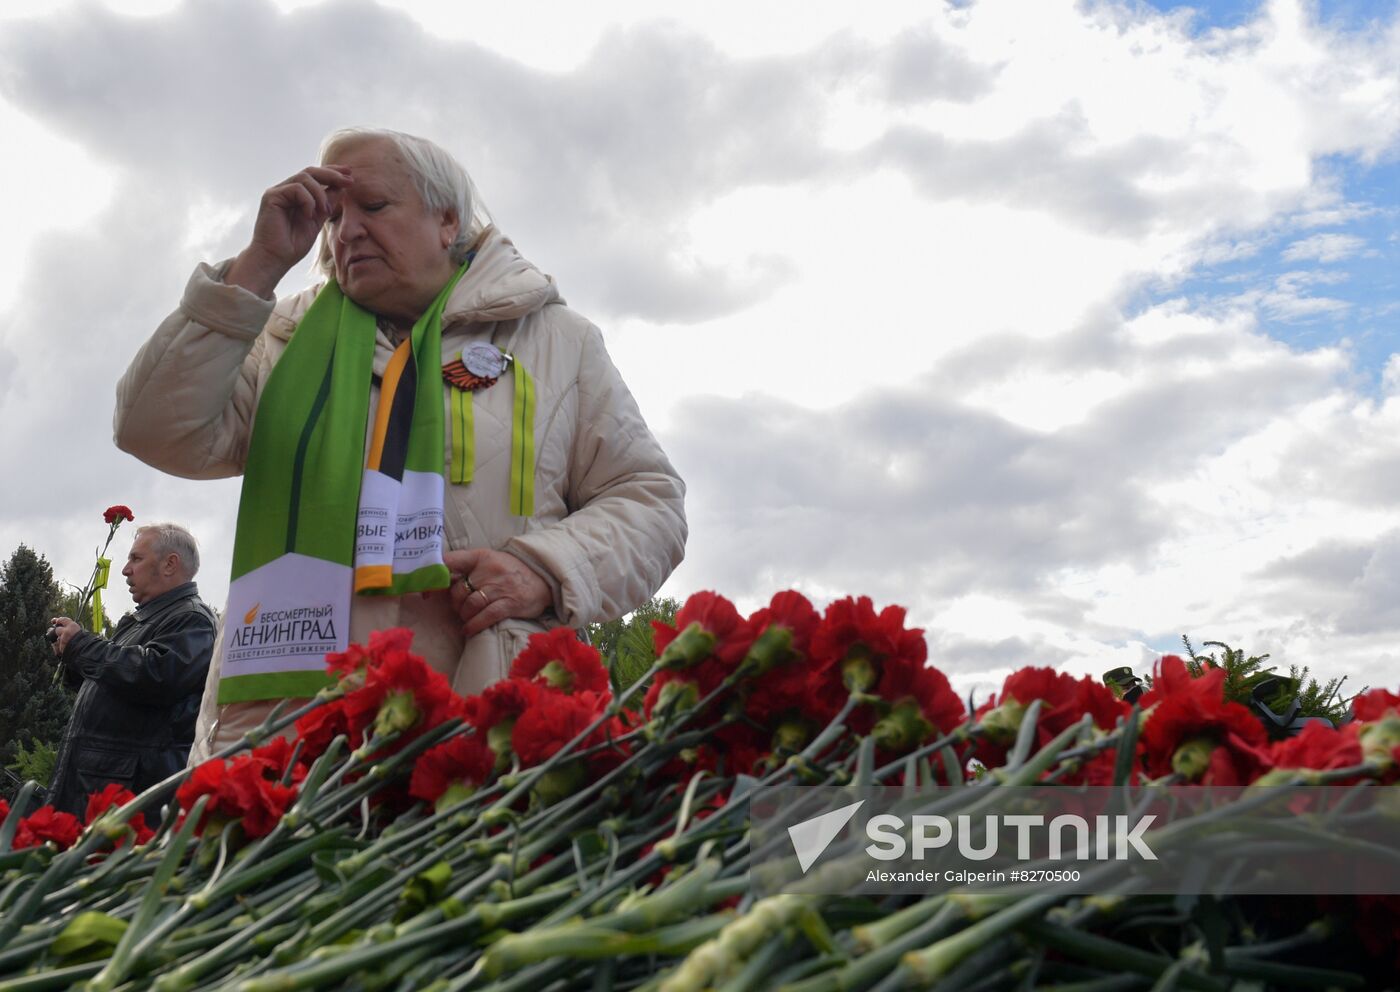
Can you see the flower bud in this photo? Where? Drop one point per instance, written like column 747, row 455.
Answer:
column 691, row 646
column 1191, row 759
column 1002, row 723
column 396, row 714
column 903, row 729
column 858, row 671
column 498, row 740
column 560, row 782
column 769, row 649
column 791, row 736
column 557, row 676
column 1380, row 739
column 452, row 795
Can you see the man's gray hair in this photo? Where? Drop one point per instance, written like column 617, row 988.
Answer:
column 173, row 539
column 442, row 182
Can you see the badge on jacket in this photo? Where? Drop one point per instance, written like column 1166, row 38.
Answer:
column 479, row 365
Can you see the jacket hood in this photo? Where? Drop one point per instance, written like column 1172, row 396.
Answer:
column 500, row 285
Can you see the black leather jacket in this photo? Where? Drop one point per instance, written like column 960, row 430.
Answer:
column 138, row 696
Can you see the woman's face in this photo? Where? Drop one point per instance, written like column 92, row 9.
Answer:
column 390, row 251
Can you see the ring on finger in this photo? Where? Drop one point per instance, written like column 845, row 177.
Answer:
column 468, row 583
column 484, row 600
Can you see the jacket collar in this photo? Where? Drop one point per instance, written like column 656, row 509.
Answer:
column 165, row 599
column 500, row 285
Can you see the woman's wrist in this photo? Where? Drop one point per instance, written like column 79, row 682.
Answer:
column 255, row 273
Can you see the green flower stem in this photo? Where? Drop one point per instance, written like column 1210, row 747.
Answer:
column 768, row 958
column 956, row 735
column 317, row 778
column 869, row 968
column 727, row 951
column 1025, row 736
column 1106, row 953
column 118, row 868
column 1314, row 933
column 877, row 933
column 188, row 975
column 585, row 796
column 529, row 980
column 20, row 952
column 595, row 939
column 1111, row 983
column 928, row 965
column 350, row 961
column 58, row 979
column 450, row 821
column 639, row 870
column 62, row 867
column 119, row 964
column 1294, row 976
column 254, row 872
column 386, row 893
column 379, row 770
column 831, row 731
column 11, row 824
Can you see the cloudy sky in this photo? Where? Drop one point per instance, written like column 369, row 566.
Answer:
column 1069, row 326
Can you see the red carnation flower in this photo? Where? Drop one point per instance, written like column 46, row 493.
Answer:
column 317, row 728
column 923, row 709
column 393, row 691
column 554, row 719
column 113, row 514
column 354, row 661
column 276, row 758
column 462, row 761
column 783, row 635
column 242, row 790
column 113, row 795
column 1194, row 731
column 856, row 649
column 1373, row 705
column 707, row 627
column 4, row 809
column 1064, row 700
column 558, row 659
column 499, row 703
column 48, row 824
column 1318, row 747
column 704, row 648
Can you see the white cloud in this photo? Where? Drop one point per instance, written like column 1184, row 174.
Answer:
column 1324, row 248
column 873, row 274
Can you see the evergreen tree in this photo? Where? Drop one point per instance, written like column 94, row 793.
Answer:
column 626, row 643
column 34, row 708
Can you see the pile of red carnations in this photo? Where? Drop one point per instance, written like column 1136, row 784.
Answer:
column 560, row 832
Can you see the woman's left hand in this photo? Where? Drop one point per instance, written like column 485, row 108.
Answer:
column 490, row 586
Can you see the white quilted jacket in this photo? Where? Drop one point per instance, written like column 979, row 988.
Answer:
column 609, row 523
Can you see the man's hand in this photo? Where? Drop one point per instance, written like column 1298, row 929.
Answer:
column 491, row 586
column 65, row 629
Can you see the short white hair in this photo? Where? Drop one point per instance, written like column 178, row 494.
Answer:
column 442, row 181
column 172, row 539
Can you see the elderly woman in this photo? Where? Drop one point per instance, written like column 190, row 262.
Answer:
column 433, row 416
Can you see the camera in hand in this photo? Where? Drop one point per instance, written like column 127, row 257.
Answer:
column 51, row 635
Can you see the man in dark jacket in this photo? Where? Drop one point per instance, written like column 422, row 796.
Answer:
column 138, row 693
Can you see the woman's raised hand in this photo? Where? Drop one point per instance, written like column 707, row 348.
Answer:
column 290, row 216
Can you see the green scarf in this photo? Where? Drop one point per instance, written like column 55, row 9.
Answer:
column 318, row 514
